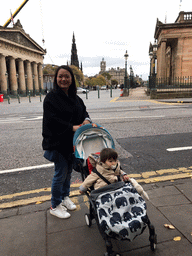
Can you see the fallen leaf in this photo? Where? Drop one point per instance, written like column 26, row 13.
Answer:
column 169, row 226
column 177, row 238
column 39, row 202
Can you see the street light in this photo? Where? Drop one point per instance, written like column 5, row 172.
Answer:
column 26, row 84
column 126, row 88
column 151, row 57
column 154, row 64
column 155, row 55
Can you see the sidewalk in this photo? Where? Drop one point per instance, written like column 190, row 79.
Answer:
column 139, row 94
column 31, row 230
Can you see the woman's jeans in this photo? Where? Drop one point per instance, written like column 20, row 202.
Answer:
column 61, row 181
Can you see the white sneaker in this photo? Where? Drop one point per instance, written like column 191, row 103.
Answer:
column 69, row 204
column 60, row 211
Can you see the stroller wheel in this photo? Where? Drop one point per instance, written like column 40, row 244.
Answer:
column 88, row 220
column 153, row 243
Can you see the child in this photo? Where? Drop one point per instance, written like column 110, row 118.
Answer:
column 107, row 165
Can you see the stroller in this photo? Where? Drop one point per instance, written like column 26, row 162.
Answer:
column 118, row 209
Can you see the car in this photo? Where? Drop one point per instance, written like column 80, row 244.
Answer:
column 104, row 87
column 82, row 90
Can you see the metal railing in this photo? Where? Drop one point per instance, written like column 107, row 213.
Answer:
column 176, row 83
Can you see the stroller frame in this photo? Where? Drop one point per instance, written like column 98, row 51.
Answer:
column 89, row 217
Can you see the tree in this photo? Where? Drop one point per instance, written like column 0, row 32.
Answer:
column 79, row 78
column 49, row 69
column 114, row 82
column 93, row 81
column 106, row 75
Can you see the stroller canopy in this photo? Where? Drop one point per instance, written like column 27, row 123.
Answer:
column 88, row 139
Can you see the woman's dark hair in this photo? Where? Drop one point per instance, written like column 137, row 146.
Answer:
column 72, row 89
column 108, row 153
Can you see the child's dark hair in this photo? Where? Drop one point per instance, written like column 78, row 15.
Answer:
column 108, row 153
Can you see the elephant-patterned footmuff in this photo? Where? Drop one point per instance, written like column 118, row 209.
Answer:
column 121, row 210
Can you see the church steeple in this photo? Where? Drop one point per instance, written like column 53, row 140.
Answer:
column 74, row 57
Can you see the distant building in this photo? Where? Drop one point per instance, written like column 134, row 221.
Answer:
column 74, row 57
column 21, row 60
column 103, row 65
column 174, row 52
column 116, row 74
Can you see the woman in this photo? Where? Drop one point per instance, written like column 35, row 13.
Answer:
column 63, row 113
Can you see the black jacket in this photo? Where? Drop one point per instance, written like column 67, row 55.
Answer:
column 59, row 115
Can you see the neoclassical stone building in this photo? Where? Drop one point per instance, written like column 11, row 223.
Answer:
column 21, row 60
column 174, row 51
column 117, row 74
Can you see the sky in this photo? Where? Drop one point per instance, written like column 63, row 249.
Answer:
column 102, row 28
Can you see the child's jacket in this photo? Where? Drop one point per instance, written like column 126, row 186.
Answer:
column 93, row 179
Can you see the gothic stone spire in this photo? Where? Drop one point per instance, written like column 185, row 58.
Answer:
column 74, row 57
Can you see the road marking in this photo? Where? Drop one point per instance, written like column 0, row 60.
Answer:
column 19, row 119
column 27, row 168
column 179, row 149
column 143, row 178
column 126, row 117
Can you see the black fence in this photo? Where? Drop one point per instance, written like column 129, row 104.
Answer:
column 177, row 83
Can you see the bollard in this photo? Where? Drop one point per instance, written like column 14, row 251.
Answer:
column 111, row 92
column 86, row 94
column 98, row 93
column 29, row 97
column 18, row 97
column 40, row 97
column 8, row 97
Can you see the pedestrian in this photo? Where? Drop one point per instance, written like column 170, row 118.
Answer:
column 63, row 113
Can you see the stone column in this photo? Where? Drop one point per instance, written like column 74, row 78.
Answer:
column 3, row 78
column 162, row 64
column 40, row 76
column 12, row 76
column 179, row 58
column 36, row 80
column 21, row 74
column 29, row 76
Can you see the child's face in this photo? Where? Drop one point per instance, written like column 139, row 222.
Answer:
column 111, row 163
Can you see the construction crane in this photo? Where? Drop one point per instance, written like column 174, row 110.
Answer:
column 15, row 13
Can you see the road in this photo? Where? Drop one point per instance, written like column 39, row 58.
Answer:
column 143, row 130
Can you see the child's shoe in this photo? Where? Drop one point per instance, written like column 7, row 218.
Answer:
column 60, row 211
column 69, row 204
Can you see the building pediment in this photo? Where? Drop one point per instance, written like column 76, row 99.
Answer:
column 17, row 35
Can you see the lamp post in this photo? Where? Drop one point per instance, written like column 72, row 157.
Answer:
column 26, row 84
column 154, row 64
column 150, row 56
column 126, row 88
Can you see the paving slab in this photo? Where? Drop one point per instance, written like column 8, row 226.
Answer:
column 170, row 200
column 76, row 220
column 186, row 189
column 180, row 217
column 163, row 191
column 8, row 212
column 170, row 248
column 79, row 241
column 23, row 235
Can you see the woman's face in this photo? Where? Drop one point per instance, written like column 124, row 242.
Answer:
column 64, row 79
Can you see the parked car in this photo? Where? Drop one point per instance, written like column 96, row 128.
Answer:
column 82, row 90
column 104, row 87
